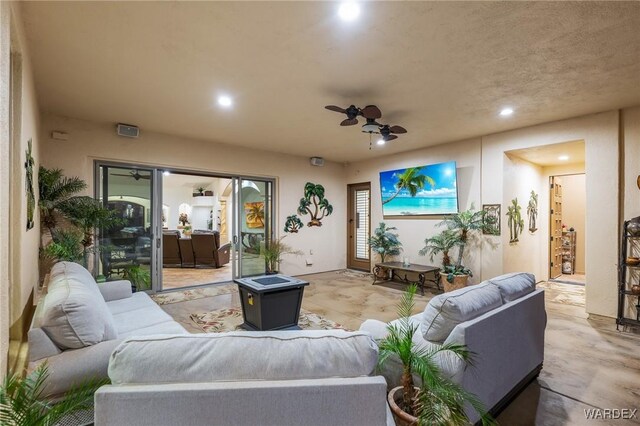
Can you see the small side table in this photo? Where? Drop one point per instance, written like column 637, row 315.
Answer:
column 397, row 268
column 271, row 302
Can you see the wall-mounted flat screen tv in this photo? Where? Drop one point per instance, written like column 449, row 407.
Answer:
column 420, row 191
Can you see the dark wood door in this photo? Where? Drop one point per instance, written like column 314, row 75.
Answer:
column 359, row 226
column 555, row 227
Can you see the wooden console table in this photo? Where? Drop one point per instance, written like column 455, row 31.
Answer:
column 397, row 267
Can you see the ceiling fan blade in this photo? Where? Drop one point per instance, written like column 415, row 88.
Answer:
column 335, row 108
column 119, row 174
column 390, row 138
column 348, row 122
column 144, row 177
column 371, row 111
column 397, row 129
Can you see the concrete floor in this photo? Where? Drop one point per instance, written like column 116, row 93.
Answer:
column 588, row 364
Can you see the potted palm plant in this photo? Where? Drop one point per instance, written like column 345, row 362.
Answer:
column 22, row 401
column 443, row 243
column 273, row 252
column 385, row 243
column 437, row 400
column 465, row 225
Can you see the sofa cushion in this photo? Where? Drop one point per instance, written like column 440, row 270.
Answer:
column 447, row 310
column 140, row 318
column 75, row 271
column 514, row 286
column 236, row 356
column 74, row 313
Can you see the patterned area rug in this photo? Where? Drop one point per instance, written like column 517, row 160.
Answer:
column 353, row 274
column 566, row 294
column 193, row 294
column 230, row 319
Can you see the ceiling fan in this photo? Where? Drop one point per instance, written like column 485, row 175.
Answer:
column 371, row 113
column 132, row 174
column 352, row 112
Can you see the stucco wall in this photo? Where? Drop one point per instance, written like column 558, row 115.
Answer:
column 89, row 141
column 413, row 232
column 18, row 248
column 520, row 178
column 600, row 133
column 484, row 183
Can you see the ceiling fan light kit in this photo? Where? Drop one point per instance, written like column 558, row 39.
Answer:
column 371, row 113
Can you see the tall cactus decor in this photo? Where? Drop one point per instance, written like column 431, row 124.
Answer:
column 516, row 223
column 293, row 224
column 314, row 204
column 532, row 211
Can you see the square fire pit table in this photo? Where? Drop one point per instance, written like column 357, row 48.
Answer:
column 271, row 302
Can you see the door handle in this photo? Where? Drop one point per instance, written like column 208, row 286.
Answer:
column 358, row 220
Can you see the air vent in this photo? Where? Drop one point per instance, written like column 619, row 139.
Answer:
column 128, row 130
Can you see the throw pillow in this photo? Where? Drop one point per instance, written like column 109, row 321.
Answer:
column 514, row 286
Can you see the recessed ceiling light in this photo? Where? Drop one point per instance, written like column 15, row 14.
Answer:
column 166, row 173
column 563, row 158
column 506, row 112
column 349, row 11
column 225, row 101
column 381, row 142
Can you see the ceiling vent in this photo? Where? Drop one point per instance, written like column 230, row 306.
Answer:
column 317, row 161
column 128, row 130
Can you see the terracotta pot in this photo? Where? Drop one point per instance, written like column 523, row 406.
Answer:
column 401, row 417
column 459, row 281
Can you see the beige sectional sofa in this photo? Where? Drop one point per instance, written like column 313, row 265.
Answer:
column 502, row 321
column 78, row 323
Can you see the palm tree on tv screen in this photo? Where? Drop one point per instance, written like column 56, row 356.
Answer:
column 411, row 180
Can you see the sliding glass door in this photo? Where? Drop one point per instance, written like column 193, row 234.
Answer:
column 126, row 251
column 239, row 209
column 253, row 225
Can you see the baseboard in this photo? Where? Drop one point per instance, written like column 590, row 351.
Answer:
column 513, row 393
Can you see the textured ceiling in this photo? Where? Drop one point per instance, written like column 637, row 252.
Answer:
column 443, row 70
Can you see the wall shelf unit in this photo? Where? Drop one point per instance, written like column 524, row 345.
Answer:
column 629, row 275
column 569, row 252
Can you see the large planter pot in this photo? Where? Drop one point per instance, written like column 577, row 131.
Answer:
column 459, row 281
column 400, row 416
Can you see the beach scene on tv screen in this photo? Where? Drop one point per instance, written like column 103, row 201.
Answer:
column 415, row 191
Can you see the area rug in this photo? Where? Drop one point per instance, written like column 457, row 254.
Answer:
column 353, row 274
column 566, row 294
column 230, row 319
column 193, row 294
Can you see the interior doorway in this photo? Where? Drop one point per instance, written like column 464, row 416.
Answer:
column 194, row 250
column 358, row 226
column 567, row 228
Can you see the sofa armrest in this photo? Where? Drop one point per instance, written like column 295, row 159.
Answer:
column 73, row 367
column 377, row 329
column 115, row 290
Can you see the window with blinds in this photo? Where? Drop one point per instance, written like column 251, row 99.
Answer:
column 362, row 224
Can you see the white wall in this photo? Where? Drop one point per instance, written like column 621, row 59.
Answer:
column 413, row 232
column 573, row 213
column 89, row 141
column 520, row 178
